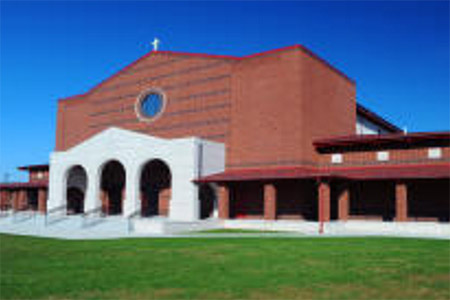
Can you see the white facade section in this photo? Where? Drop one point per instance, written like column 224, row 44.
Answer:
column 336, row 158
column 187, row 158
column 382, row 156
column 364, row 126
column 434, row 153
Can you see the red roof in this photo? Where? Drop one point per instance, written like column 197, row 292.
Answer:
column 380, row 140
column 406, row 171
column 377, row 119
column 23, row 185
column 261, row 174
column 33, row 167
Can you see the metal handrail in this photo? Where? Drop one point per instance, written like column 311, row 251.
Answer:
column 132, row 216
column 55, row 209
column 93, row 211
column 90, row 212
column 4, row 212
column 26, row 208
column 52, row 211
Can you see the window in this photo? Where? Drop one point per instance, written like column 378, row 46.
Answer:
column 434, row 153
column 336, row 158
column 150, row 105
column 382, row 156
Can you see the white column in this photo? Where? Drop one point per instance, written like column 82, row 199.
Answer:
column 131, row 203
column 92, row 198
column 56, row 192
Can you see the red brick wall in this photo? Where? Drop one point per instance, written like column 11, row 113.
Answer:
column 267, row 109
column 281, row 103
column 197, row 89
column 396, row 156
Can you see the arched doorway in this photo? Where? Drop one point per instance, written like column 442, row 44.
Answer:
column 208, row 201
column 76, row 190
column 112, row 187
column 155, row 188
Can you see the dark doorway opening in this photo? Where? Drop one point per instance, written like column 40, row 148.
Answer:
column 208, row 201
column 113, row 187
column 76, row 190
column 155, row 188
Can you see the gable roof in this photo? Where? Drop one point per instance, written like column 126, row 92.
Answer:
column 376, row 119
column 229, row 58
column 383, row 141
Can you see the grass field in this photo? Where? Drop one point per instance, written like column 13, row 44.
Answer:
column 220, row 268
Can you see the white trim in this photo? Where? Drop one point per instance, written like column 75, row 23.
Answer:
column 141, row 97
column 337, row 158
column 434, row 153
column 382, row 155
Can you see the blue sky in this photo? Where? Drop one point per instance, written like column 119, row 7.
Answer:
column 398, row 53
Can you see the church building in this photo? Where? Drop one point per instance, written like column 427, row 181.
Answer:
column 273, row 136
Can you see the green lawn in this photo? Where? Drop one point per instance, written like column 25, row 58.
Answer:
column 220, row 268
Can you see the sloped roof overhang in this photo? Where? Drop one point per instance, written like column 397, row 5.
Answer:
column 380, row 172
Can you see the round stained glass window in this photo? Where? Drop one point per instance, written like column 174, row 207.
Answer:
column 150, row 105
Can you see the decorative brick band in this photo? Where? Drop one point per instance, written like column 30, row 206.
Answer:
column 140, row 69
column 389, row 162
column 168, row 114
column 174, row 100
column 145, row 80
column 272, row 163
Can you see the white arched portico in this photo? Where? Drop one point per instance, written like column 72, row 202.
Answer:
column 186, row 158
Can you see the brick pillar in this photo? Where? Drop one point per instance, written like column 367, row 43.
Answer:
column 164, row 202
column 270, row 201
column 401, row 202
column 324, row 201
column 105, row 202
column 122, row 202
column 3, row 199
column 343, row 204
column 42, row 200
column 22, row 202
column 14, row 200
column 224, row 202
column 144, row 202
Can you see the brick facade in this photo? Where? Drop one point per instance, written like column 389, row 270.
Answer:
column 269, row 110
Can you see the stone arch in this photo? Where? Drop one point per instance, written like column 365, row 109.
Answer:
column 112, row 180
column 155, row 188
column 75, row 191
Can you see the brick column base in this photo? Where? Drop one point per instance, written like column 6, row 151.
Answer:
column 224, row 202
column 23, row 199
column 105, row 202
column 324, row 201
column 401, row 202
column 4, row 199
column 343, row 204
column 270, row 202
column 42, row 200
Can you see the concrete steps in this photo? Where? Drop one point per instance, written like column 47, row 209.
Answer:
column 78, row 227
